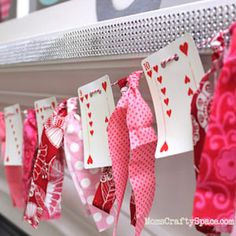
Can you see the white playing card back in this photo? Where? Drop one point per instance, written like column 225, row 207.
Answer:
column 96, row 105
column 172, row 87
column 43, row 108
column 14, row 136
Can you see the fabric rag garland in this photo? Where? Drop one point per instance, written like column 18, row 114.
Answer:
column 216, row 183
column 132, row 144
column 2, row 135
column 44, row 200
column 84, row 180
column 30, row 141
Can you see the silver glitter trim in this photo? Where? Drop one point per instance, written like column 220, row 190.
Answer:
column 130, row 35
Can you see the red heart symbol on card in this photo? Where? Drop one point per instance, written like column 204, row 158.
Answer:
column 106, row 120
column 91, row 123
column 104, row 85
column 149, row 73
column 184, row 48
column 186, row 80
column 14, row 132
column 166, row 101
column 82, row 99
column 164, row 147
column 37, row 110
column 19, row 153
column 159, row 79
column 41, row 109
column 17, row 110
column 90, row 160
column 88, row 105
column 190, row 92
column 168, row 112
column 15, row 139
column 42, row 117
column 7, row 159
column 12, row 126
column 53, row 105
column 86, row 96
column 17, row 146
column 155, row 68
column 89, row 114
column 163, row 90
column 92, row 132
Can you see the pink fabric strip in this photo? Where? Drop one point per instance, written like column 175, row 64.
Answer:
column 85, row 181
column 2, row 135
column 132, row 144
column 14, row 179
column 30, row 134
column 216, row 184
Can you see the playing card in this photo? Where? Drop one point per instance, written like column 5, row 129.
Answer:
column 44, row 109
column 14, row 136
column 96, row 105
column 172, row 85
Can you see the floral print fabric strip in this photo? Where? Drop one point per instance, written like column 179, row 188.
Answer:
column 30, row 134
column 216, row 183
column 44, row 200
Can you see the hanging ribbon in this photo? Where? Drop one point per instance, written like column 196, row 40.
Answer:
column 216, row 183
column 44, row 200
column 30, row 135
column 2, row 135
column 84, row 180
column 132, row 144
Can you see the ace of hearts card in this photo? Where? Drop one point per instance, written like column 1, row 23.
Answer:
column 96, row 105
column 172, row 85
column 44, row 108
column 14, row 136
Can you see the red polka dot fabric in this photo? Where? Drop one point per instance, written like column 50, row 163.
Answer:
column 132, row 144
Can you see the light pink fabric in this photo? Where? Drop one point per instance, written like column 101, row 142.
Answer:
column 132, row 144
column 85, row 181
column 2, row 135
column 30, row 134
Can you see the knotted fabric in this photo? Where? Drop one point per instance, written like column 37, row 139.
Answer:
column 132, row 144
column 44, row 201
column 216, row 183
column 85, row 181
column 30, row 141
column 2, row 135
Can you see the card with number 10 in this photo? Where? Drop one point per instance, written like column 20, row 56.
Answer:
column 172, row 85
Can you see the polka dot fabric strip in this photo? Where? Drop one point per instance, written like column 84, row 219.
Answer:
column 132, row 144
column 85, row 181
